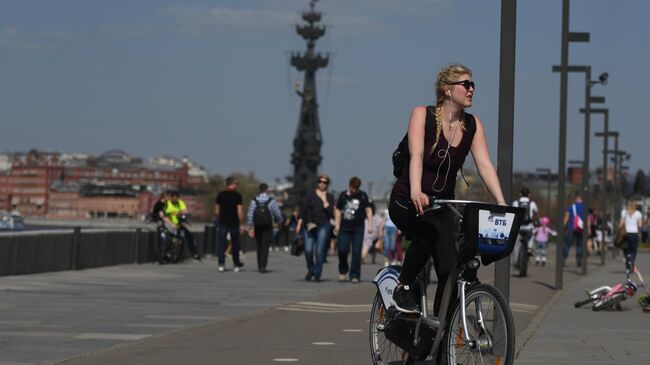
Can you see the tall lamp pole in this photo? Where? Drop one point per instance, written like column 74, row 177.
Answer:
column 603, row 193
column 506, row 122
column 564, row 70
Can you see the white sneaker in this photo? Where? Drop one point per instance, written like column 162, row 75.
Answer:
column 222, row 269
column 286, row 248
column 238, row 269
column 343, row 278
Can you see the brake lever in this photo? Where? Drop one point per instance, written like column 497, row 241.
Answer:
column 431, row 208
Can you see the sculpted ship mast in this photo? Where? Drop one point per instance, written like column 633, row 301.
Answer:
column 306, row 157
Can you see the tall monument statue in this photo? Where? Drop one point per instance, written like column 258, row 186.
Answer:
column 306, row 157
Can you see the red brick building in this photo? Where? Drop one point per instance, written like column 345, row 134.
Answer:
column 115, row 184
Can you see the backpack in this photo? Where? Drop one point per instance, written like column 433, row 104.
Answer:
column 262, row 214
column 401, row 156
column 527, row 218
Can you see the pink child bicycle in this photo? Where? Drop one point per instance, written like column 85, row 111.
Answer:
column 606, row 297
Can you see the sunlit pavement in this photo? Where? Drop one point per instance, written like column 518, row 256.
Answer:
column 581, row 336
column 191, row 314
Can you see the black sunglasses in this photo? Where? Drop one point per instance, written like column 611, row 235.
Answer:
column 324, row 182
column 466, row 84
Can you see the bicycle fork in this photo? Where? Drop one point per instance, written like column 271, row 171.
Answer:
column 481, row 343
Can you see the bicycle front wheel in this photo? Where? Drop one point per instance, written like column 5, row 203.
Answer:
column 489, row 326
column 382, row 351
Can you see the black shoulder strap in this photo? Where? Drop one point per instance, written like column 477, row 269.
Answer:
column 430, row 119
column 471, row 129
column 470, row 123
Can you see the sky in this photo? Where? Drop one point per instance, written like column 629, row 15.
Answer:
column 211, row 79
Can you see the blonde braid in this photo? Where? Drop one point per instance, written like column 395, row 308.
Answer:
column 437, row 114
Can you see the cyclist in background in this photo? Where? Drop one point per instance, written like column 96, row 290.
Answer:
column 525, row 230
column 174, row 208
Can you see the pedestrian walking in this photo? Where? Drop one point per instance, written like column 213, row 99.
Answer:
column 574, row 225
column 292, row 224
column 317, row 210
column 352, row 208
column 390, row 240
column 631, row 222
column 229, row 215
column 281, row 235
column 372, row 238
column 263, row 213
column 541, row 234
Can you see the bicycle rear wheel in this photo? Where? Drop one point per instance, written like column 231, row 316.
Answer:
column 490, row 343
column 382, row 351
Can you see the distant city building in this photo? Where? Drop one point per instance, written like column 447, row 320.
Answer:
column 115, row 184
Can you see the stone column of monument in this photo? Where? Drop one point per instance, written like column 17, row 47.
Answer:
column 306, row 156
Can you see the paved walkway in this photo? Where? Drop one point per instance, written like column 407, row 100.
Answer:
column 566, row 335
column 189, row 313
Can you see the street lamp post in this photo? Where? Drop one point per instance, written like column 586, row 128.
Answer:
column 548, row 186
column 603, row 192
column 606, row 134
column 506, row 122
column 564, row 70
column 602, row 79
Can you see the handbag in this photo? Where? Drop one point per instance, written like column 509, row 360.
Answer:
column 298, row 245
column 578, row 224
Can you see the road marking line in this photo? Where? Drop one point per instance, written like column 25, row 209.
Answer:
column 521, row 307
column 353, row 330
column 288, row 359
column 156, row 325
column 316, row 307
column 323, row 343
column 197, row 318
column 319, row 310
column 367, row 306
column 110, row 336
column 34, row 334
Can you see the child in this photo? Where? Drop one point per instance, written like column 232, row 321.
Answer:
column 541, row 238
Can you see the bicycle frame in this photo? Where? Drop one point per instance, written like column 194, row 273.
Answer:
column 461, row 275
column 484, row 231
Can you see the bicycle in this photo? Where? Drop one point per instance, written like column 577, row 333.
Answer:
column 610, row 297
column 524, row 253
column 172, row 244
column 478, row 327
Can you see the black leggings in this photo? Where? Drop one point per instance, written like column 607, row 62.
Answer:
column 431, row 236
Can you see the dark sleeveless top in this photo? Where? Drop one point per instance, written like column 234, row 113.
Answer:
column 446, row 183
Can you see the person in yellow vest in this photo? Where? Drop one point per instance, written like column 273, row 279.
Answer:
column 174, row 208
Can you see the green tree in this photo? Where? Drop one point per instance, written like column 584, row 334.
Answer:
column 248, row 187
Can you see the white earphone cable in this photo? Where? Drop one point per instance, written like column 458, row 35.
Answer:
column 444, row 155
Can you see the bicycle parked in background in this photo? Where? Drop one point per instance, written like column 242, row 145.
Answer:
column 477, row 327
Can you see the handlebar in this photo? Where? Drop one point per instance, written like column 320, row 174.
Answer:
column 439, row 203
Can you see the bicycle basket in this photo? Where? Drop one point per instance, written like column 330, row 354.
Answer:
column 490, row 230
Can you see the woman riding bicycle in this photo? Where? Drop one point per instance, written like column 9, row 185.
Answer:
column 437, row 152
